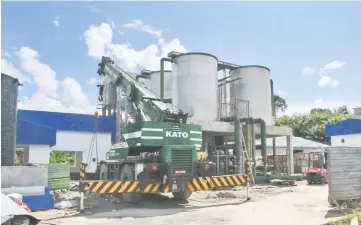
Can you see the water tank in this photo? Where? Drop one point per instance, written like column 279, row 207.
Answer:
column 253, row 86
column 195, row 85
column 9, row 102
column 153, row 83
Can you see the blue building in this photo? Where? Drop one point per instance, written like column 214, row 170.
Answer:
column 345, row 133
column 40, row 132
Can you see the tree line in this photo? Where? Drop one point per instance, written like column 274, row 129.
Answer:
column 310, row 125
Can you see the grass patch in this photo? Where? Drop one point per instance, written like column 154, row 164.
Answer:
column 347, row 219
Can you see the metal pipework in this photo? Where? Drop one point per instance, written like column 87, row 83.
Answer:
column 165, row 59
column 273, row 99
column 224, row 78
column 263, row 141
column 230, row 81
column 237, row 144
column 274, row 117
column 144, row 76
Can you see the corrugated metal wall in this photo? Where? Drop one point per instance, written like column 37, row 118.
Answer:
column 344, row 173
column 9, row 101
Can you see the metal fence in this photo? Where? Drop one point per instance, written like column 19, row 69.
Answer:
column 344, row 174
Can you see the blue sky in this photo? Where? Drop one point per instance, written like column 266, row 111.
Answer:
column 287, row 37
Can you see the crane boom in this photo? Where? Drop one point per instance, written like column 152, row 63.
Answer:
column 147, row 105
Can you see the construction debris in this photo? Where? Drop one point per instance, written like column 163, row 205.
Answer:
column 278, row 182
column 11, row 211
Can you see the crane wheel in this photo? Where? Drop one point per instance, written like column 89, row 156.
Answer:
column 182, row 195
column 128, row 173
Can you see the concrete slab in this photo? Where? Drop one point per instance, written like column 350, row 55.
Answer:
column 23, row 176
column 221, row 128
column 227, row 128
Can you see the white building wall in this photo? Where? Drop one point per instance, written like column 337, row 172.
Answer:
column 39, row 154
column 81, row 142
column 350, row 140
column 357, row 112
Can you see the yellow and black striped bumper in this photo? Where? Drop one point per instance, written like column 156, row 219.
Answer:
column 133, row 186
column 217, row 182
column 114, row 187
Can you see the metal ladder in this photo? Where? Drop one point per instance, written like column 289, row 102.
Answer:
column 245, row 153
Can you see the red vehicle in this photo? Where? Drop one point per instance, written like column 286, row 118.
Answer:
column 317, row 171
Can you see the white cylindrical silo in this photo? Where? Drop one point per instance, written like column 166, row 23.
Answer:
column 195, row 85
column 253, row 86
column 153, row 83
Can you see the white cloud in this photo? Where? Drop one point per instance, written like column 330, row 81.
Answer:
column 43, row 75
column 173, row 45
column 328, row 81
column 91, row 81
column 305, row 107
column 139, row 25
column 308, row 71
column 9, row 69
column 99, row 42
column 72, row 94
column 97, row 38
column 334, row 65
column 51, row 94
column 56, row 21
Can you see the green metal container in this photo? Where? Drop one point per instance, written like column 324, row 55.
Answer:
column 58, row 176
column 59, row 183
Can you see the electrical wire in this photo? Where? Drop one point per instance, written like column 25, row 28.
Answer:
column 94, row 139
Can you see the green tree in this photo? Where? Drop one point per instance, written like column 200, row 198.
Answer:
column 19, row 155
column 62, row 157
column 312, row 125
column 280, row 104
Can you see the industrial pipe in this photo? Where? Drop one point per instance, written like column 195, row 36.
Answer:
column 260, row 121
column 273, row 104
column 140, row 76
column 165, row 59
column 263, row 143
column 253, row 145
column 224, row 78
column 230, row 81
column 237, row 144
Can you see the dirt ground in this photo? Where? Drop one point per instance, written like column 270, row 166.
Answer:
column 268, row 205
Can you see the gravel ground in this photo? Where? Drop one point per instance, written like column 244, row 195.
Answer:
column 219, row 207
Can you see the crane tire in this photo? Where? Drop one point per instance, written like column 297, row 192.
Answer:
column 182, row 195
column 128, row 173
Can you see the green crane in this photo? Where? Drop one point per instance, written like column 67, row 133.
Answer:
column 155, row 152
